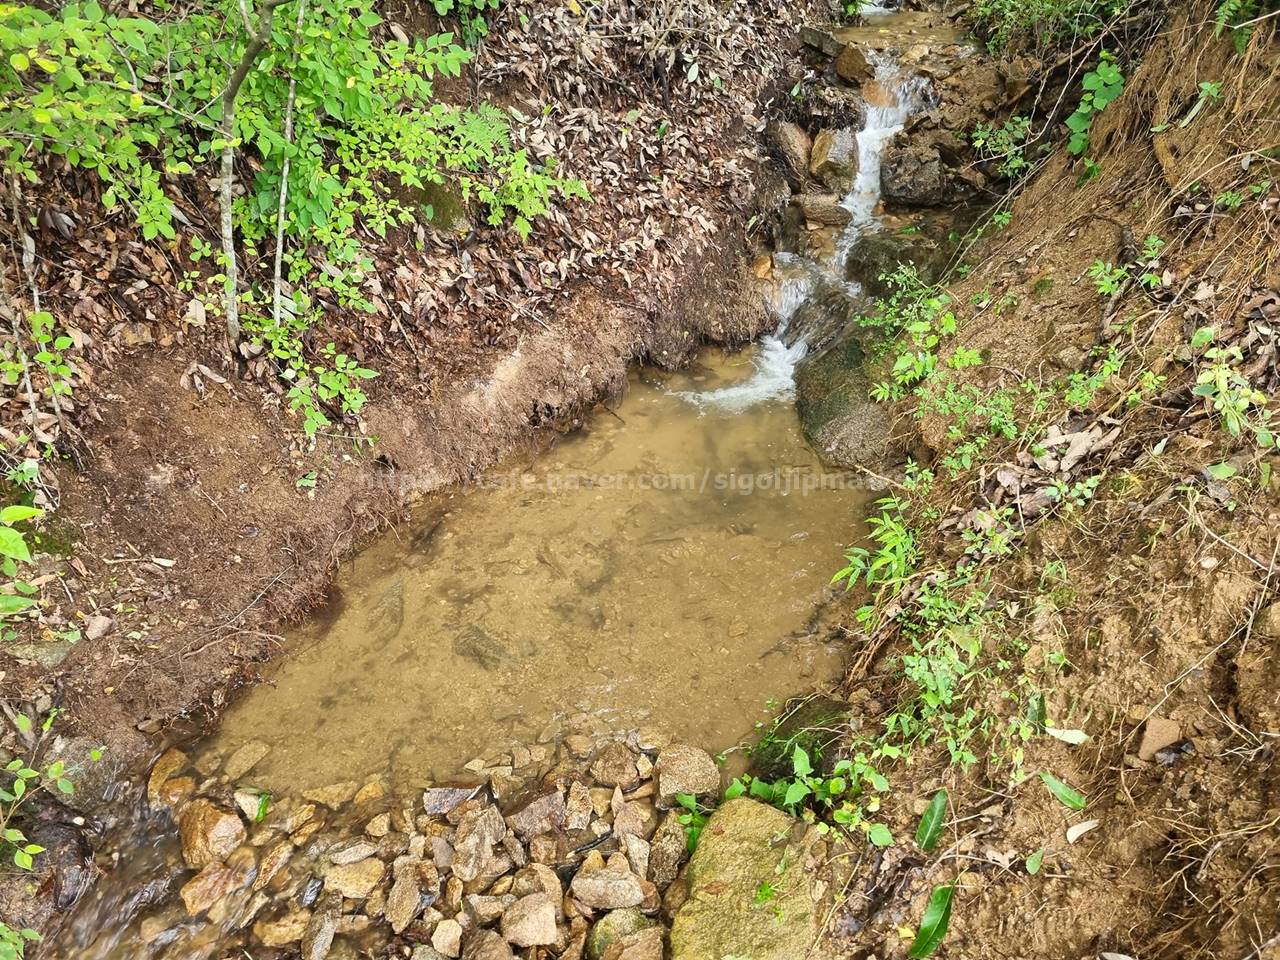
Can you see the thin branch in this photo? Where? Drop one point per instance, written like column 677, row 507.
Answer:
column 257, row 41
column 277, row 284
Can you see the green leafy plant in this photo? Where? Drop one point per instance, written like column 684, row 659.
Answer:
column 22, row 780
column 347, row 136
column 812, row 796
column 1210, row 92
column 693, row 818
column 1236, row 18
column 1239, row 406
column 895, row 556
column 1102, row 85
column 914, row 319
column 471, row 16
column 16, row 595
column 1107, row 277
column 1004, row 147
column 1049, row 24
column 13, row 943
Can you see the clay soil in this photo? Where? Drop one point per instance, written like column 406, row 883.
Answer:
column 1160, row 592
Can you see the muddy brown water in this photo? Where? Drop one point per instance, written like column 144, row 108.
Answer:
column 660, row 568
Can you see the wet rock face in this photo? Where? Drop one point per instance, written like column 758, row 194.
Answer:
column 822, row 208
column 851, row 65
column 875, row 256
column 834, row 159
column 913, row 172
column 793, row 146
column 209, row 832
column 831, row 397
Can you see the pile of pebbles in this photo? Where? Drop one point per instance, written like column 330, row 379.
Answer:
column 568, row 851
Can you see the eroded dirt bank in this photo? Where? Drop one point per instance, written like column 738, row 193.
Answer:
column 196, row 516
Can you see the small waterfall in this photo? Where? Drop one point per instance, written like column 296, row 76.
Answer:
column 801, row 279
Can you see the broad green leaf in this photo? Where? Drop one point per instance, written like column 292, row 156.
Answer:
column 931, row 822
column 1067, row 795
column 796, row 792
column 17, row 513
column 735, row 789
column 800, row 762
column 1034, row 861
column 933, row 926
column 1221, row 471
column 9, row 603
column 1202, row 337
column 13, row 545
column 880, row 835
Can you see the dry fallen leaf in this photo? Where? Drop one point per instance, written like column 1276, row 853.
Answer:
column 1079, row 830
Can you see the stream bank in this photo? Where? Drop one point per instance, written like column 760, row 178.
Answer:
column 245, row 893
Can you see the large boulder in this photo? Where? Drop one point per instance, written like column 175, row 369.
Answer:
column 792, row 144
column 836, row 411
column 738, row 851
column 834, row 159
column 822, row 208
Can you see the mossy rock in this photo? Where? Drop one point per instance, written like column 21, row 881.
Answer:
column 811, row 723
column 615, row 925
column 828, row 384
column 752, row 889
column 879, row 254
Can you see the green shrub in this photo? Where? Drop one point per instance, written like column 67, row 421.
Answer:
column 1004, row 147
column 1042, row 23
column 349, row 117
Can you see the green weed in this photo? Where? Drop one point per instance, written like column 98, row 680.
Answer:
column 1238, row 405
column 16, row 595
column 1044, row 23
column 1004, row 147
column 22, row 779
column 1103, row 84
column 1236, row 17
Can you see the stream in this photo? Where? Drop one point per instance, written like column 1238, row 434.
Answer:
column 663, row 573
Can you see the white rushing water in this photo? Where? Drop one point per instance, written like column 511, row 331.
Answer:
column 781, row 351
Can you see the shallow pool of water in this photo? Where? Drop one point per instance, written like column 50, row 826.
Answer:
column 664, row 567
